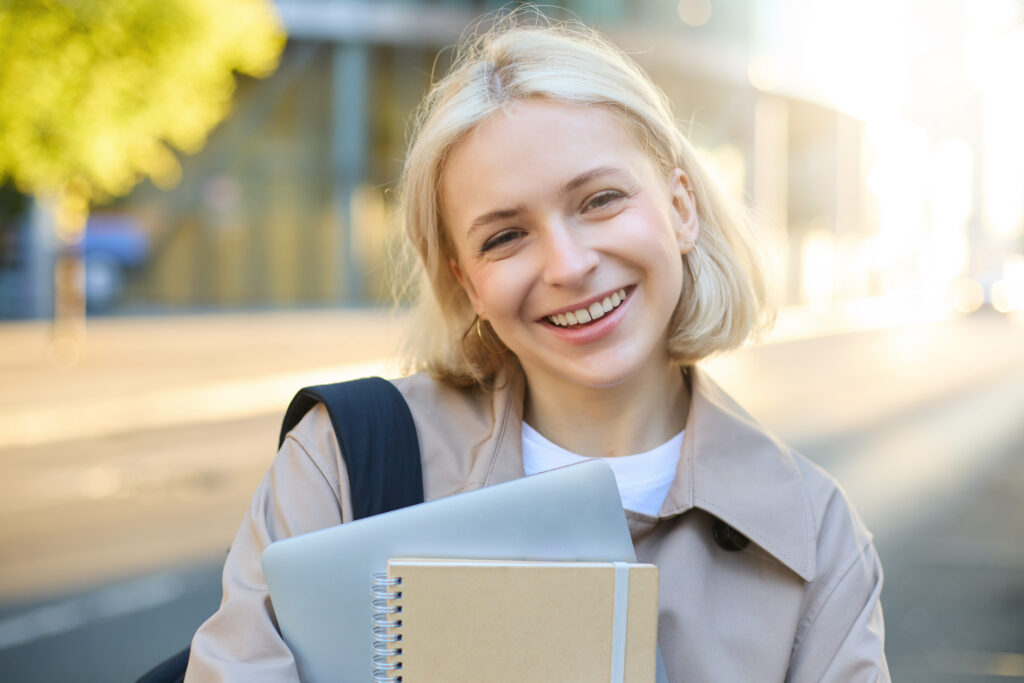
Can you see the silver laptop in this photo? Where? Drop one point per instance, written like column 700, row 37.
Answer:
column 320, row 582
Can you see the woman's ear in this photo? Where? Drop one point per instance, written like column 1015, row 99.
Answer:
column 467, row 287
column 687, row 224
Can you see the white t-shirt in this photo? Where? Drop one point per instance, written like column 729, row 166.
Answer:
column 643, row 479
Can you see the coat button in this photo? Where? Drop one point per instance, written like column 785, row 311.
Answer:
column 728, row 538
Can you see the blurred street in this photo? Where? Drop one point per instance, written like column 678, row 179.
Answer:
column 125, row 478
column 211, row 192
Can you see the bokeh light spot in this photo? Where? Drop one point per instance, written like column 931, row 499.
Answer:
column 695, row 12
column 966, row 295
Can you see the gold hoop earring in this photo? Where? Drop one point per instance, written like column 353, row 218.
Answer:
column 488, row 345
column 700, row 262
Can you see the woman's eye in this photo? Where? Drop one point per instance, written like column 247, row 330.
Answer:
column 502, row 238
column 603, row 199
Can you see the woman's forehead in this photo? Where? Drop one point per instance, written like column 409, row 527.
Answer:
column 537, row 142
column 539, row 114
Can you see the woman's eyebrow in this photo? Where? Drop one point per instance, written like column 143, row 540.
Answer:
column 493, row 216
column 587, row 176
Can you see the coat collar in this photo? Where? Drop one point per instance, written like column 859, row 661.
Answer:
column 730, row 467
column 735, row 470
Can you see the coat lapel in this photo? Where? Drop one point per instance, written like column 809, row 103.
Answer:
column 735, row 470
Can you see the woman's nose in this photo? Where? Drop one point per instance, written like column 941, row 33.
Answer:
column 567, row 258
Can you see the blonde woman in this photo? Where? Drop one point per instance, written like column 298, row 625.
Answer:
column 577, row 263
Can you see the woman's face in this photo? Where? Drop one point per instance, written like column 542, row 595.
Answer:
column 568, row 241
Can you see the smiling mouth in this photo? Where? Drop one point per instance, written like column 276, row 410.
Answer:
column 589, row 314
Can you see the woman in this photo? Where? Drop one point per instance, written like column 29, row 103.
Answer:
column 578, row 263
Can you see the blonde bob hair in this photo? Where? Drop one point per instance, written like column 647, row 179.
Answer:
column 723, row 301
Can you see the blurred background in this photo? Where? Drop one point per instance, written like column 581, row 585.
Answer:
column 197, row 219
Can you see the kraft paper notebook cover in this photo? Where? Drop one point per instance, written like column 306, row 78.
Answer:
column 492, row 620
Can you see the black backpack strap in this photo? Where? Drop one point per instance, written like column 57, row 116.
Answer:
column 378, row 439
column 382, row 454
column 171, row 670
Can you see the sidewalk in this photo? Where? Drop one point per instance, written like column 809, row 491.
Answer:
column 149, row 372
column 143, row 373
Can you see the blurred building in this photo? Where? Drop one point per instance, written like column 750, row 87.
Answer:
column 869, row 177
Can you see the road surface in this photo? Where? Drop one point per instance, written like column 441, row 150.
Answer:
column 110, row 543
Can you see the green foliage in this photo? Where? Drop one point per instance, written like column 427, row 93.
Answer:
column 94, row 93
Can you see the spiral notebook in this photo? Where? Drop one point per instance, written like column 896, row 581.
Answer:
column 454, row 621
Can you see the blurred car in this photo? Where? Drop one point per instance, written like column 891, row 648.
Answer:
column 113, row 244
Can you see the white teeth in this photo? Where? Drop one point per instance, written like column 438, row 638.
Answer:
column 584, row 315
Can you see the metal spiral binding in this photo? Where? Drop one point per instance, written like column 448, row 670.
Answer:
column 384, row 623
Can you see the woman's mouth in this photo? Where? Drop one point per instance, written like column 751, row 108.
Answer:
column 583, row 316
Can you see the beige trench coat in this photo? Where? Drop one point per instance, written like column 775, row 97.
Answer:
column 800, row 603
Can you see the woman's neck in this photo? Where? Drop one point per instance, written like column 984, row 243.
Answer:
column 632, row 417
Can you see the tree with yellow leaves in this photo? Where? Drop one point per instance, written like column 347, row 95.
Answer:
column 96, row 94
